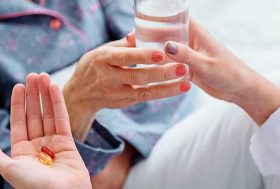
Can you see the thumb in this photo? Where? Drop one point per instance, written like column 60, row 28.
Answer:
column 184, row 54
column 5, row 161
column 131, row 38
column 128, row 41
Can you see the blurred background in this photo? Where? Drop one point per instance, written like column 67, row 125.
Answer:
column 249, row 28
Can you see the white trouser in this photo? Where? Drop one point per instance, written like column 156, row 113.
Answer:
column 208, row 150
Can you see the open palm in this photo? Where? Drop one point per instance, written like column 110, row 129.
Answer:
column 31, row 130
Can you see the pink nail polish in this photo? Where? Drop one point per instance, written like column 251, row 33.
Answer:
column 157, row 57
column 181, row 70
column 185, row 86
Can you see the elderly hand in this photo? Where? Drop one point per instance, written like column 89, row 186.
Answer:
column 104, row 79
column 222, row 75
column 30, row 130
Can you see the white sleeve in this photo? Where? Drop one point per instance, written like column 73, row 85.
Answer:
column 265, row 150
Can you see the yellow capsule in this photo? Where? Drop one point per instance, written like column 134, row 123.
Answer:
column 44, row 158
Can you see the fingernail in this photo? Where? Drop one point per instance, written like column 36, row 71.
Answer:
column 157, row 57
column 181, row 70
column 171, row 48
column 184, row 87
column 129, row 35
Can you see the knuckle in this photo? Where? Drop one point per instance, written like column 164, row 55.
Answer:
column 205, row 68
column 123, row 57
column 144, row 95
column 149, row 76
column 105, row 49
column 141, row 57
column 141, row 77
column 211, row 61
column 165, row 75
column 134, row 77
column 118, row 56
column 93, row 67
column 104, row 53
column 86, row 56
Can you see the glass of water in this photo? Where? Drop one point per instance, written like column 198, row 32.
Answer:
column 158, row 21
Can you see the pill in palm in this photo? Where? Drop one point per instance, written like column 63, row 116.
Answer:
column 48, row 152
column 44, row 158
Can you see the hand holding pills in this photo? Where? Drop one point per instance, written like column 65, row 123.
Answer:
column 46, row 156
column 42, row 146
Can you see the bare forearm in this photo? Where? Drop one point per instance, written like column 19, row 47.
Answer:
column 260, row 99
column 80, row 118
column 115, row 173
column 80, row 124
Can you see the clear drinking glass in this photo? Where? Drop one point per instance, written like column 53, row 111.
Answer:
column 158, row 21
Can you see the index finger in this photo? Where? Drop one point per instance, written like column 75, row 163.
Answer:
column 128, row 41
column 122, row 56
column 18, row 118
column 120, row 43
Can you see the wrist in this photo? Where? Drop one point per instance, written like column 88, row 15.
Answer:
column 81, row 117
column 259, row 98
column 116, row 171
